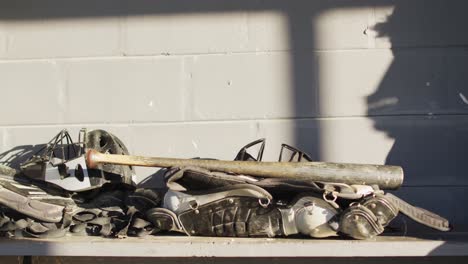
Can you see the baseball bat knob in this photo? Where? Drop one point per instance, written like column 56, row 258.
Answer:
column 92, row 158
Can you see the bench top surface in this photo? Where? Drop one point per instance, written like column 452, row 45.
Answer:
column 451, row 244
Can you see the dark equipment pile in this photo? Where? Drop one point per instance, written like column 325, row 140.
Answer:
column 88, row 188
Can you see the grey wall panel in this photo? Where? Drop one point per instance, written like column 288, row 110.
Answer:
column 401, row 82
column 246, row 86
column 425, row 81
column 29, row 88
column 234, row 86
column 124, row 90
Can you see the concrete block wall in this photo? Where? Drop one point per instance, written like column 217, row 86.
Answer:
column 348, row 81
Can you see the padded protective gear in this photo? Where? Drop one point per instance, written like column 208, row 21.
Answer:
column 237, row 210
column 367, row 220
column 310, row 216
column 232, row 216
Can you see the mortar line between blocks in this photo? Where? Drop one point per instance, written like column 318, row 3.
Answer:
column 212, row 121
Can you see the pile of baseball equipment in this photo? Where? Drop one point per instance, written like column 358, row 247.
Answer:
column 87, row 188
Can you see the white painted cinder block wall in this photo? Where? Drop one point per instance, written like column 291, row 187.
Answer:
column 347, row 81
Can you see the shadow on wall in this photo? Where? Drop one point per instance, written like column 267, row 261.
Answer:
column 423, row 94
column 421, row 104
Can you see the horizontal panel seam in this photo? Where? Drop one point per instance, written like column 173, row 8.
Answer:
column 212, row 121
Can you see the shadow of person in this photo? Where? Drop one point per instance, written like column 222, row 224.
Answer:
column 422, row 104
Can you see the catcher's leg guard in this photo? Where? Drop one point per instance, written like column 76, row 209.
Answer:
column 241, row 212
column 367, row 220
column 310, row 216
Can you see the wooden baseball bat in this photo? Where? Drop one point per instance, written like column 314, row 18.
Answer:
column 384, row 176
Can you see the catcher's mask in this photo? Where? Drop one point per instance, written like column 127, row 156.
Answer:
column 62, row 162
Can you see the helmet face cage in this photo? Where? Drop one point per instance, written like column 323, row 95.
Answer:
column 62, row 162
column 62, row 147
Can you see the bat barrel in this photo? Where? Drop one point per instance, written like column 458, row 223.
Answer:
column 384, row 176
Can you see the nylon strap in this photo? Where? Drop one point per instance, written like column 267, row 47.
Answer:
column 420, row 215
